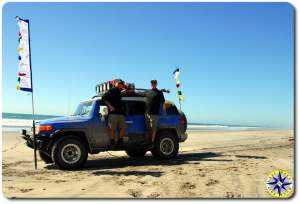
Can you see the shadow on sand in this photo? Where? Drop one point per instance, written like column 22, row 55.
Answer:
column 122, row 162
column 250, row 157
column 128, row 173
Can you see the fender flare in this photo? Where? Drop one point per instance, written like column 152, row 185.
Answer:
column 170, row 129
column 81, row 133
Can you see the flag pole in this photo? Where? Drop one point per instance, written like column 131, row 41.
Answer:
column 33, row 131
column 180, row 104
column 32, row 101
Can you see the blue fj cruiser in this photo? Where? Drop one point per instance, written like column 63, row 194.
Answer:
column 67, row 141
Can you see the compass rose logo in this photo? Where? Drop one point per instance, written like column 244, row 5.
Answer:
column 279, row 184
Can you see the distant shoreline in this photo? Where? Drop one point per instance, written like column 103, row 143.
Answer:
column 14, row 122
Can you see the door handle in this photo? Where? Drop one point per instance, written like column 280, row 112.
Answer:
column 129, row 121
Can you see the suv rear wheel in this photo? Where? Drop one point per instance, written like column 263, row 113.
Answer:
column 69, row 153
column 136, row 152
column 166, row 146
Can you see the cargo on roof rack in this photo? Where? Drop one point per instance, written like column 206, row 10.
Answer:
column 105, row 86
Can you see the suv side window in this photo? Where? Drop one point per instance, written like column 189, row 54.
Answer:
column 171, row 109
column 135, row 108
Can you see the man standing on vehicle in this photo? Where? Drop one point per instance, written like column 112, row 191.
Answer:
column 155, row 98
column 130, row 91
column 116, row 113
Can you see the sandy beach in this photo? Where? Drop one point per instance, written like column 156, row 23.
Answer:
column 231, row 164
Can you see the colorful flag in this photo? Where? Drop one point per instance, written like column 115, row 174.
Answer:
column 24, row 74
column 179, row 93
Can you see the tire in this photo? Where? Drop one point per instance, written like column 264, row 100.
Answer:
column 136, row 152
column 69, row 153
column 166, row 146
column 45, row 157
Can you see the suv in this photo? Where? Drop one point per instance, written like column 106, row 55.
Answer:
column 66, row 141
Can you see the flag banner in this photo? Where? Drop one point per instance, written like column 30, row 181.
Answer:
column 24, row 73
column 179, row 93
column 180, row 97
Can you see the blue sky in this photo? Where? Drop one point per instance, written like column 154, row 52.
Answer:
column 236, row 59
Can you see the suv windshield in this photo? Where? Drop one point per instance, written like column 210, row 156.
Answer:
column 84, row 108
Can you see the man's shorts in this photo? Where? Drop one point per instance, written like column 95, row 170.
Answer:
column 151, row 122
column 116, row 121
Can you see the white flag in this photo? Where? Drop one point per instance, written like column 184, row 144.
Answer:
column 179, row 93
column 24, row 74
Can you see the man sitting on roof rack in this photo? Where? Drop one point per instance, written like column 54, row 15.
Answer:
column 129, row 91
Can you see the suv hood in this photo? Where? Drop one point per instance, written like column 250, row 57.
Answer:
column 68, row 119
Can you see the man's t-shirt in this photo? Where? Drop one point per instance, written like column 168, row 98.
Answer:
column 155, row 97
column 113, row 96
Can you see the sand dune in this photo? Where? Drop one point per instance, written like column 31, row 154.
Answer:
column 210, row 165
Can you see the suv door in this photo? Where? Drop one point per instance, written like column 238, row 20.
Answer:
column 100, row 130
column 135, row 117
column 170, row 117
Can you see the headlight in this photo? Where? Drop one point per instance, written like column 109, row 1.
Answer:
column 37, row 127
column 45, row 128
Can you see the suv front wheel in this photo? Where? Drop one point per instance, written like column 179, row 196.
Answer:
column 69, row 153
column 166, row 146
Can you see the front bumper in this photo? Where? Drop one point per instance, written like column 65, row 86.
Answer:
column 41, row 143
column 183, row 137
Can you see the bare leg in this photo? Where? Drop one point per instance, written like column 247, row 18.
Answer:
column 148, row 136
column 113, row 135
column 122, row 133
column 147, row 128
column 153, row 137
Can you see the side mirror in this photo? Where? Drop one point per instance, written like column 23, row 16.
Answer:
column 102, row 117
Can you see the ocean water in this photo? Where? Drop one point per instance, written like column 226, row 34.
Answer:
column 23, row 116
column 18, row 121
column 223, row 127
